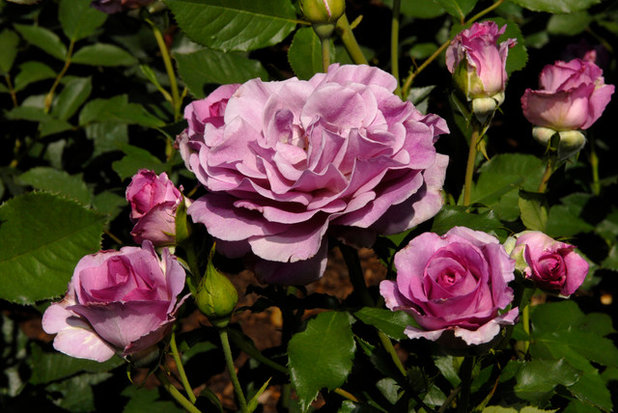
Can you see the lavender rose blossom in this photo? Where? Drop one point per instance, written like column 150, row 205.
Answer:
column 286, row 163
column 154, row 201
column 456, row 282
column 551, row 264
column 117, row 302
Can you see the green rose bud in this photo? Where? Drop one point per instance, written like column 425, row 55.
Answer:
column 569, row 142
column 216, row 296
column 322, row 11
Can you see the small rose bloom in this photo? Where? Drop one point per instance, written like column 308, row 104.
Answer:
column 572, row 96
column 115, row 6
column 551, row 264
column 288, row 163
column 478, row 63
column 457, row 282
column 154, row 201
column 117, row 302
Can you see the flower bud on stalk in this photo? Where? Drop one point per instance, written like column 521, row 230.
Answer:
column 323, row 15
column 216, row 296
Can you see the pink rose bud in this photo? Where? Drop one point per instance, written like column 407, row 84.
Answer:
column 287, row 163
column 572, row 96
column 115, row 6
column 551, row 264
column 477, row 63
column 154, row 202
column 117, row 302
column 455, row 282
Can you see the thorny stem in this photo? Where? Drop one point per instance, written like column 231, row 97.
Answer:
column 474, row 141
column 67, row 62
column 169, row 68
column 181, row 369
column 349, row 41
column 229, row 361
column 408, row 82
column 173, row 391
column 395, row 44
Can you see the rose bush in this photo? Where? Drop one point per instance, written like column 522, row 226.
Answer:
column 154, row 201
column 572, row 96
column 115, row 6
column 551, row 264
column 478, row 63
column 117, row 301
column 286, row 163
column 455, row 282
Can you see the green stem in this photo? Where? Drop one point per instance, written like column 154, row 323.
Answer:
column 181, row 369
column 594, row 164
column 345, row 394
column 550, row 168
column 67, row 62
column 229, row 361
column 408, row 82
column 465, row 373
column 173, row 391
column 525, row 321
column 395, row 44
column 349, row 41
column 193, row 263
column 9, row 85
column 325, row 42
column 169, row 68
column 390, row 349
column 474, row 141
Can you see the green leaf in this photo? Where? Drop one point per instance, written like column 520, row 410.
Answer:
column 48, row 367
column 117, row 109
column 79, row 19
column 392, row 323
column 102, row 54
column 109, row 203
column 147, row 400
column 51, row 126
column 611, row 261
column 562, row 222
column 457, row 8
column 424, row 9
column 537, row 378
column 76, row 394
column 569, row 24
column 42, row 237
column 422, row 50
column 107, row 136
column 44, row 39
column 30, row 72
column 8, row 44
column 518, row 54
column 73, row 95
column 136, row 158
column 592, row 389
column 450, row 216
column 30, row 113
column 533, row 210
column 321, row 356
column 305, row 53
column 556, row 6
column 206, row 66
column 575, row 406
column 235, row 24
column 58, row 182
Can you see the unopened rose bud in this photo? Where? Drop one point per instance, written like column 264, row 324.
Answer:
column 569, row 142
column 323, row 15
column 216, row 296
column 484, row 107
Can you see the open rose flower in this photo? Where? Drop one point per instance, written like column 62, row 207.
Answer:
column 478, row 64
column 115, row 6
column 456, row 282
column 117, row 302
column 154, row 201
column 287, row 163
column 551, row 264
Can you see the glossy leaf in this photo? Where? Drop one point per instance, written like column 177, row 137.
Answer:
column 207, row 66
column 107, row 136
column 31, row 72
column 424, row 9
column 305, row 53
column 58, row 182
column 569, row 24
column 42, row 238
column 44, row 39
column 117, row 109
column 321, row 356
column 556, row 6
column 392, row 323
column 234, row 24
column 79, row 19
column 533, row 210
column 76, row 393
column 147, row 400
column 591, row 389
column 8, row 44
column 450, row 216
column 136, row 158
column 537, row 378
column 73, row 95
column 457, row 8
column 103, row 54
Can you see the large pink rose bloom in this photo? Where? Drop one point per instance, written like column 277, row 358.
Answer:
column 572, row 96
column 287, row 162
column 478, row 61
column 117, row 302
column 456, row 282
column 154, row 201
column 551, row 264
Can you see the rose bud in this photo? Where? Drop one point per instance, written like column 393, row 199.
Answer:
column 216, row 295
column 117, row 302
column 572, row 96
column 552, row 265
column 477, row 63
column 456, row 282
column 154, row 204
column 323, row 15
